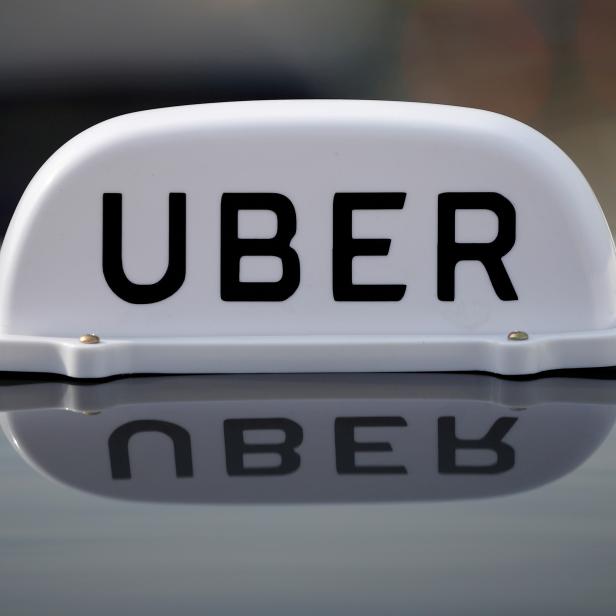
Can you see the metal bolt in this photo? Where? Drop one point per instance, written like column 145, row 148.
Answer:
column 517, row 335
column 89, row 339
column 82, row 412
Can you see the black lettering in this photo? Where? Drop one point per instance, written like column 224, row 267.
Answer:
column 236, row 448
column 489, row 254
column 118, row 446
column 233, row 248
column 347, row 446
column 113, row 268
column 346, row 248
column 449, row 443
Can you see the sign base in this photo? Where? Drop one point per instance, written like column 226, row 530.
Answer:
column 296, row 354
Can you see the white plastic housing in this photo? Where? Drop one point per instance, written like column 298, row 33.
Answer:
column 562, row 265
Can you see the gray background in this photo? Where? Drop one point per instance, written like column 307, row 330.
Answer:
column 68, row 64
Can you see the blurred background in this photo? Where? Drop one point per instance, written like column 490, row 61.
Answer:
column 68, row 64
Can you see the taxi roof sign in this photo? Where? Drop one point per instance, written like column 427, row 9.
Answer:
column 292, row 236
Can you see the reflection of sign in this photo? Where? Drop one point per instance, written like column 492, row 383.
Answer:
column 285, row 449
column 406, row 437
column 308, row 236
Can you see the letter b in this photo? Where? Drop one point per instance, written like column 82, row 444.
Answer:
column 233, row 248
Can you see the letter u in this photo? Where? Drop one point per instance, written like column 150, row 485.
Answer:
column 118, row 446
column 113, row 268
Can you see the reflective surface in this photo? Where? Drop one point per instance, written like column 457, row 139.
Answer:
column 344, row 494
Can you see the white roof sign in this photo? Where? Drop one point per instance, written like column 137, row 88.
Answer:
column 288, row 236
